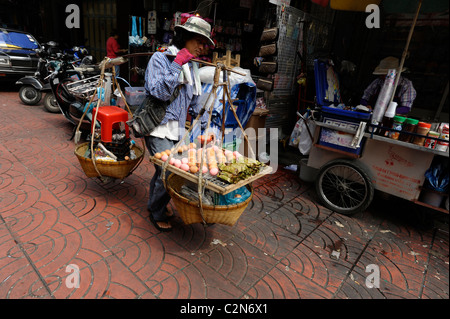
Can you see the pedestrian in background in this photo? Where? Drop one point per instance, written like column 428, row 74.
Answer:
column 113, row 49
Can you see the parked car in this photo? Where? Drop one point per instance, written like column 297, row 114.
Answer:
column 17, row 55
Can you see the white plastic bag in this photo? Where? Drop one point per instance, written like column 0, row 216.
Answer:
column 302, row 136
column 295, row 136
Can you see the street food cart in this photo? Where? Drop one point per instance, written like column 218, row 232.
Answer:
column 353, row 161
column 346, row 180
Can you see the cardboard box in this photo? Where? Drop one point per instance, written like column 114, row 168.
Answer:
column 258, row 119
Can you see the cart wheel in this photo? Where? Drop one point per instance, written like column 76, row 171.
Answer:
column 344, row 187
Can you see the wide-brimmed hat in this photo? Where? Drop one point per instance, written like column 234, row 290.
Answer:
column 389, row 63
column 199, row 26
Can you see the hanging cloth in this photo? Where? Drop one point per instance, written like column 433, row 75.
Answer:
column 133, row 27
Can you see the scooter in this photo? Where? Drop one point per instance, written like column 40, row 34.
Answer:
column 32, row 87
column 69, row 104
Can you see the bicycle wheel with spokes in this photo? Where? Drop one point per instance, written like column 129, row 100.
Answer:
column 344, row 187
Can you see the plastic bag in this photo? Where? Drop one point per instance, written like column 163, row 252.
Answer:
column 238, row 196
column 302, row 135
column 295, row 136
column 437, row 177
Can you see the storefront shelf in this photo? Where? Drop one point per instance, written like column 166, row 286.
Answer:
column 408, row 145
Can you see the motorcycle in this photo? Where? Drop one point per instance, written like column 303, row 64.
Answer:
column 70, row 101
column 32, row 87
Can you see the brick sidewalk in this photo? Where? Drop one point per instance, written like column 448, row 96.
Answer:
column 52, row 216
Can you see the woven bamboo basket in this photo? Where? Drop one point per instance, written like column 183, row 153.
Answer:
column 190, row 212
column 118, row 170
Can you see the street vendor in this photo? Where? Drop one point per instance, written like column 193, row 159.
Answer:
column 404, row 95
column 163, row 75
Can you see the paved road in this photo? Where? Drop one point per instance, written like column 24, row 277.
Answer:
column 285, row 246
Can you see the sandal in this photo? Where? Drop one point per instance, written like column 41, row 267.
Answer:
column 168, row 213
column 161, row 229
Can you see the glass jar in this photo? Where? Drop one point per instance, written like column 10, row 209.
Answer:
column 410, row 126
column 422, row 129
column 397, row 127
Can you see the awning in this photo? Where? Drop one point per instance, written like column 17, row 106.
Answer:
column 352, row 5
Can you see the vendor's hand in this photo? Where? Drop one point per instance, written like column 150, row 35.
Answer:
column 183, row 57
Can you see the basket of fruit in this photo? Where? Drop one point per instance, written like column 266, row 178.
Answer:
column 213, row 168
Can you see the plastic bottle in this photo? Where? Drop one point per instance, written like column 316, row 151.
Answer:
column 108, row 83
column 388, row 119
column 422, row 129
column 397, row 127
column 410, row 126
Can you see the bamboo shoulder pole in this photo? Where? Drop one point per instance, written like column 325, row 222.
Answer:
column 405, row 52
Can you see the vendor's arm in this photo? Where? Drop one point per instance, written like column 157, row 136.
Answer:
column 162, row 76
column 407, row 96
column 372, row 89
column 116, row 48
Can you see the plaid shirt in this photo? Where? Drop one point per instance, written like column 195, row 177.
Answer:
column 404, row 96
column 161, row 79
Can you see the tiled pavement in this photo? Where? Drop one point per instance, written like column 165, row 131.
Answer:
column 52, row 216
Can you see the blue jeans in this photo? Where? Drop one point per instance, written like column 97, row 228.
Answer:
column 158, row 196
